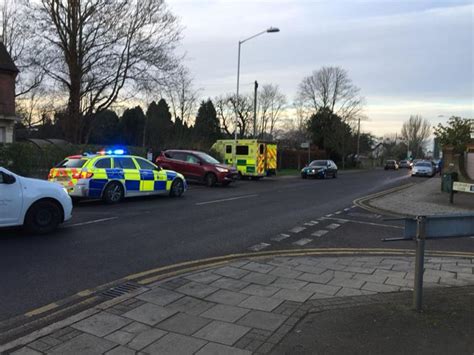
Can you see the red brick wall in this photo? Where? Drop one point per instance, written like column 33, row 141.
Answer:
column 7, row 93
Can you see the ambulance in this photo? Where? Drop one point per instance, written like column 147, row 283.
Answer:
column 255, row 158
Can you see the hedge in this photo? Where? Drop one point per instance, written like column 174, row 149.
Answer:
column 28, row 159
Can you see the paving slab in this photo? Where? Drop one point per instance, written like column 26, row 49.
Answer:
column 330, row 290
column 219, row 349
column 121, row 350
column 293, row 295
column 370, row 286
column 146, row 338
column 258, row 278
column 203, row 277
column 262, row 320
column 84, row 344
column 26, row 351
column 285, row 272
column 225, row 313
column 291, row 284
column 258, row 267
column 230, row 284
column 261, row 303
column 190, row 305
column 101, row 324
column 175, row 344
column 160, row 296
column 183, row 323
column 120, row 337
column 227, row 297
column 149, row 313
column 221, row 332
column 232, row 272
column 322, row 279
column 196, row 289
column 260, row 290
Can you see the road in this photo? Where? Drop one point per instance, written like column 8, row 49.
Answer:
column 105, row 243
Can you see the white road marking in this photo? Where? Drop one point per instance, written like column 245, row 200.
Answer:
column 297, row 229
column 258, row 247
column 338, row 212
column 226, row 199
column 303, row 241
column 310, row 224
column 333, row 226
column 314, row 222
column 340, row 220
column 91, row 222
column 280, row 237
column 346, row 209
column 330, row 215
column 319, row 233
column 353, row 206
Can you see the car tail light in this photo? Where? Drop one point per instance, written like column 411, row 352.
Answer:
column 82, row 175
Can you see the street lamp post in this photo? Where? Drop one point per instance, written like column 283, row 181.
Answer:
column 268, row 30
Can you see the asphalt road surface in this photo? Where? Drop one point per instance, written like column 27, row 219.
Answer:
column 105, row 243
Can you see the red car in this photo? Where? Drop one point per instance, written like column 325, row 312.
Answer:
column 197, row 166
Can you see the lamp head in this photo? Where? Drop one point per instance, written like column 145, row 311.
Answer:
column 273, row 29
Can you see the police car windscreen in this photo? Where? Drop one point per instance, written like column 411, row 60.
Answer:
column 318, row 163
column 71, row 163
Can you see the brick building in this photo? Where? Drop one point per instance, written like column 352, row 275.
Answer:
column 8, row 73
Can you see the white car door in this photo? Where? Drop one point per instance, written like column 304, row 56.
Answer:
column 10, row 198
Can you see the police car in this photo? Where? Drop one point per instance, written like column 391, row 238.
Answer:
column 37, row 204
column 112, row 175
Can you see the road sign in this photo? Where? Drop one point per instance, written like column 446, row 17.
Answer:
column 304, row 145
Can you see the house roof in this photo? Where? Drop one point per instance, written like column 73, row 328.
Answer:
column 6, row 62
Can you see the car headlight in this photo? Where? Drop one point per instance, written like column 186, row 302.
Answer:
column 222, row 170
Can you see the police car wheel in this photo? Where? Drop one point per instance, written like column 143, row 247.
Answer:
column 177, row 188
column 113, row 193
column 43, row 217
column 210, row 179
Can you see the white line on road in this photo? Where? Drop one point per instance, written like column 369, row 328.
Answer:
column 346, row 209
column 338, row 212
column 297, row 229
column 314, row 222
column 303, row 241
column 226, row 199
column 333, row 226
column 330, row 215
column 368, row 223
column 319, row 233
column 280, row 237
column 91, row 222
column 258, row 247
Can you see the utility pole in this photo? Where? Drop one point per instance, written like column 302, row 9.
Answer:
column 358, row 139
column 255, row 110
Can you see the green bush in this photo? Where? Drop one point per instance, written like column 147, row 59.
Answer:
column 28, row 159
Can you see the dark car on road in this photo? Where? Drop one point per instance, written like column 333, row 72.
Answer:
column 320, row 169
column 197, row 166
column 391, row 165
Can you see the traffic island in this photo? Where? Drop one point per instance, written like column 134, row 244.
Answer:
column 250, row 305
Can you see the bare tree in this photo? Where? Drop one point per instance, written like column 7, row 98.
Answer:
column 181, row 95
column 415, row 132
column 16, row 34
column 227, row 110
column 243, row 109
column 271, row 106
column 331, row 88
column 101, row 50
column 225, row 114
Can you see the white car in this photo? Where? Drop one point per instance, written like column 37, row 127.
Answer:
column 38, row 205
column 423, row 168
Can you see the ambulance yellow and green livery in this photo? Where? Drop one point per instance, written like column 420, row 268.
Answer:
column 112, row 175
column 255, row 158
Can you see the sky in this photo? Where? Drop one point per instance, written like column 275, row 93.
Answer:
column 407, row 57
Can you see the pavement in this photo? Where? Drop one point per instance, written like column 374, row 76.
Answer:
column 424, row 198
column 281, row 305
